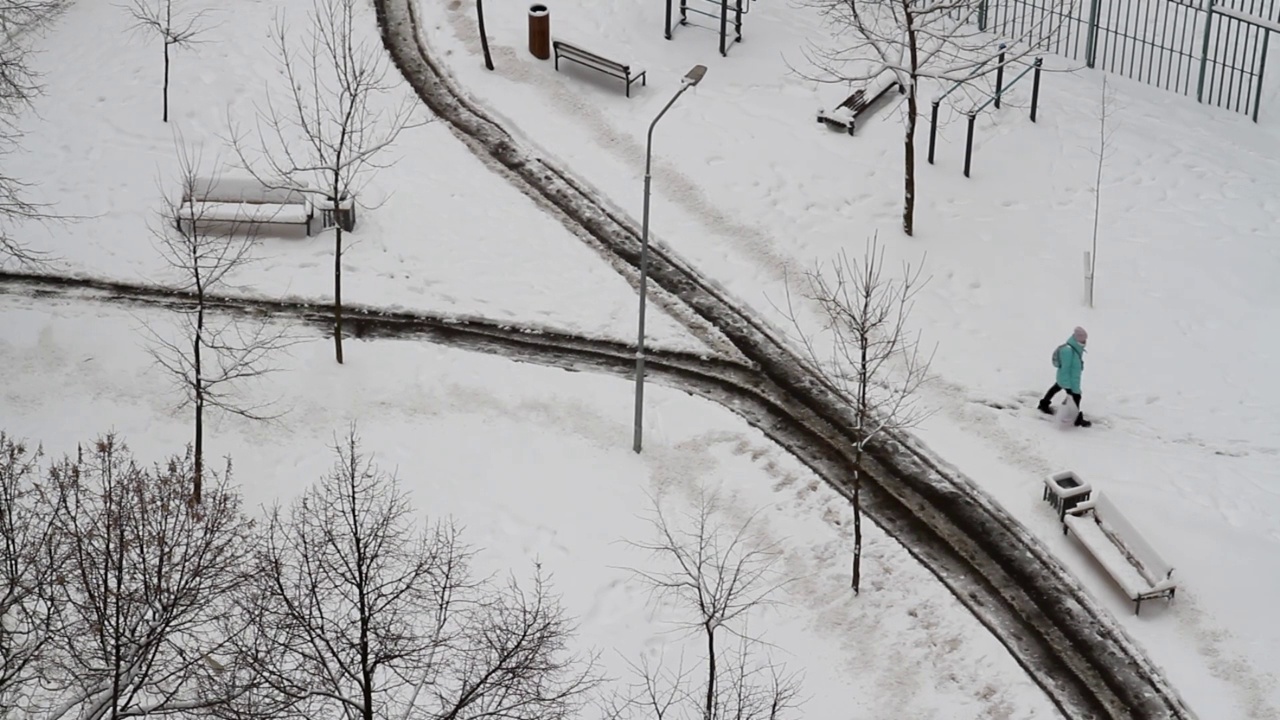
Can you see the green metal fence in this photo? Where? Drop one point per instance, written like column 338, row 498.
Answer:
column 1212, row 50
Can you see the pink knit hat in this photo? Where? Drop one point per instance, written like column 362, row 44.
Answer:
column 1080, row 334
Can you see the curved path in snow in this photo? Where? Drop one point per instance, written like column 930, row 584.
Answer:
column 1072, row 648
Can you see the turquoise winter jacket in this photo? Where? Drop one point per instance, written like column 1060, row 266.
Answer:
column 1070, row 365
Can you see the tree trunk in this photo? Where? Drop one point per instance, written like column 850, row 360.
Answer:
column 484, row 39
column 913, row 108
column 113, row 499
column 198, row 392
column 366, row 671
column 337, row 292
column 857, row 522
column 709, row 711
column 165, row 115
column 909, row 164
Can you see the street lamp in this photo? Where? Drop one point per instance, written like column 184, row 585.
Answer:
column 691, row 78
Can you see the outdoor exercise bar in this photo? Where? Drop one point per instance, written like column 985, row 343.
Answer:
column 933, row 119
column 973, row 114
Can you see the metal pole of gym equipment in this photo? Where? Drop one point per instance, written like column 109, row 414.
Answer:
column 691, row 78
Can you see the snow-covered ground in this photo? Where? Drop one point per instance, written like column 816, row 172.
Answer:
column 1180, row 370
column 536, row 465
column 443, row 232
column 746, row 186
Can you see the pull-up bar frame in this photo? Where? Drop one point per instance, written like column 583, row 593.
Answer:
column 723, row 17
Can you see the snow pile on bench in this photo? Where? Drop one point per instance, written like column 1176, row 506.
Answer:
column 243, row 200
column 248, row 213
column 1121, row 550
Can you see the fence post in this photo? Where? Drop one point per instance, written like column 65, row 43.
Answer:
column 982, row 15
column 933, row 128
column 1091, row 41
column 968, row 142
column 1035, row 88
column 1000, row 77
column 1262, row 66
column 1204, row 51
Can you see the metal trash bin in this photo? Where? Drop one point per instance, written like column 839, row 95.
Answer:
column 540, row 31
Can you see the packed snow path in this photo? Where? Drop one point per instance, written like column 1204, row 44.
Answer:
column 1073, row 649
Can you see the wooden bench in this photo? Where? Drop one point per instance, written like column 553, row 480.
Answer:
column 237, row 201
column 1121, row 550
column 596, row 62
column 845, row 115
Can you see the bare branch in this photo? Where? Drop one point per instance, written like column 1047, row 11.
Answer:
column 19, row 86
column 156, row 17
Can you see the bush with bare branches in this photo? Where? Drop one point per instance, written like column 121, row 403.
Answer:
column 147, row 577
column 357, row 612
column 32, row 558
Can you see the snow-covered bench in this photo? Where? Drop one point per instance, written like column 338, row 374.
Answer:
column 243, row 202
column 1121, row 550
column 845, row 115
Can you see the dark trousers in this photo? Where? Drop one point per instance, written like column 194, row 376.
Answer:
column 1048, row 397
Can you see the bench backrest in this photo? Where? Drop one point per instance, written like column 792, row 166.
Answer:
column 1150, row 564
column 241, row 190
column 587, row 54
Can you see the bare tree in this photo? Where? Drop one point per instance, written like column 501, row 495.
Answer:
column 212, row 357
column 148, row 576
column 326, row 140
column 32, row 558
column 865, row 352
column 915, row 40
column 719, row 574
column 484, row 37
column 360, row 614
column 156, row 18
column 1105, row 108
column 19, row 86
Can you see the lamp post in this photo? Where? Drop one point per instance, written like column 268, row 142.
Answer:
column 691, row 78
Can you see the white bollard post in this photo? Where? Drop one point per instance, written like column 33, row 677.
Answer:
column 1088, row 279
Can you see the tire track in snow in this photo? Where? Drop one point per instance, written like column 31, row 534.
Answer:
column 1068, row 645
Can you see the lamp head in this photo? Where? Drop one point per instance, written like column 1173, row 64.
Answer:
column 694, row 76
